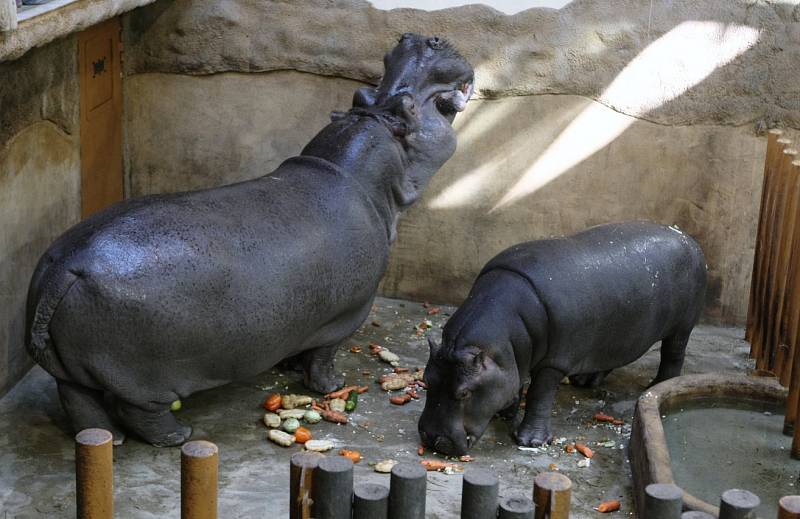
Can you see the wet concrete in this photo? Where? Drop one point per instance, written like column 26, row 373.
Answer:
column 37, row 453
column 719, row 444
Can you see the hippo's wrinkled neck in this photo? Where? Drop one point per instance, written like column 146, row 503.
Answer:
column 368, row 152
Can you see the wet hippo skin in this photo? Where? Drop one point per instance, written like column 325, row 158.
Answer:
column 578, row 306
column 156, row 298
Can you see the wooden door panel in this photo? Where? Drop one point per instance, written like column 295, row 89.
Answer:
column 101, row 116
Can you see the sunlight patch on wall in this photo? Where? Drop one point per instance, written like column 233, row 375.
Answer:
column 664, row 70
column 504, row 6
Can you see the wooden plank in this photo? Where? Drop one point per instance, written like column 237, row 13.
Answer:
column 101, row 116
column 791, row 320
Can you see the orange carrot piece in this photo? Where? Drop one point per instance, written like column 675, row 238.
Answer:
column 583, row 449
column 608, row 506
column 353, row 456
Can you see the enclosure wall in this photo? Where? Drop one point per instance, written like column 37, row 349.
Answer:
column 39, row 179
column 596, row 112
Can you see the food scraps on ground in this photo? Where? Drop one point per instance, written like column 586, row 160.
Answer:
column 312, row 416
column 608, row 506
column 273, row 402
column 400, row 399
column 400, row 370
column 302, row 435
column 319, row 445
column 376, row 324
column 569, row 448
column 292, row 413
column 176, row 406
column 355, row 349
column 272, row 420
column 385, row 466
column 342, row 393
column 290, row 425
column 584, row 463
column 601, row 417
column 583, row 449
column 293, row 401
column 422, row 327
column 441, row 466
column 333, row 416
column 375, row 348
column 434, row 310
column 553, row 466
column 421, row 450
column 353, row 456
column 389, row 357
column 351, row 402
column 466, row 458
column 412, row 393
column 280, row 437
column 337, row 404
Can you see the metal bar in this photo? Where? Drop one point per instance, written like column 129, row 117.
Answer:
column 516, row 507
column 663, row 501
column 738, row 504
column 552, row 493
column 479, row 493
column 94, row 474
column 301, row 483
column 199, row 468
column 407, row 491
column 333, row 488
column 370, row 501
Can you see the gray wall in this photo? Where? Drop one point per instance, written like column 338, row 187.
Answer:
column 596, row 112
column 39, row 179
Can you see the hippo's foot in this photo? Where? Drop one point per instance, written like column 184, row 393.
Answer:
column 86, row 409
column 533, row 436
column 155, row 426
column 319, row 373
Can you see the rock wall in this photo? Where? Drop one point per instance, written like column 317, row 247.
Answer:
column 39, row 180
column 595, row 112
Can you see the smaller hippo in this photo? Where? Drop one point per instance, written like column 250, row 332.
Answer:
column 576, row 306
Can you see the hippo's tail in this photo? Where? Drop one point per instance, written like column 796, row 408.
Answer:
column 49, row 284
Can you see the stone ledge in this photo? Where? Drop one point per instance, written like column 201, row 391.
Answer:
column 36, row 28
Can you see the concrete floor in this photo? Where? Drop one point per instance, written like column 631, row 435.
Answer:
column 37, row 457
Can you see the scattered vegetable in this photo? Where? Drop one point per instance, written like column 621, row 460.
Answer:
column 312, row 416
column 342, row 393
column 333, row 416
column 292, row 401
column 319, row 445
column 385, row 466
column 302, row 435
column 389, row 357
column 400, row 399
column 176, row 406
column 583, row 449
column 355, row 349
column 273, row 402
column 292, row 413
column 290, row 425
column 353, row 456
column 338, row 405
column 272, row 420
column 608, row 506
column 280, row 437
column 352, row 401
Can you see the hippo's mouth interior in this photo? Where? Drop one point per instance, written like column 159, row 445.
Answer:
column 452, row 101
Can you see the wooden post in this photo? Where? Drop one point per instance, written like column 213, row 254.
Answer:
column 94, row 474
column 333, row 488
column 199, row 466
column 552, row 493
column 789, row 507
column 370, row 501
column 662, row 501
column 738, row 504
column 760, row 238
column 516, row 507
column 479, row 492
column 790, row 308
column 767, row 256
column 407, row 491
column 301, row 483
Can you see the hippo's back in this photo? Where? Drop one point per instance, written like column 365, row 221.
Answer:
column 612, row 286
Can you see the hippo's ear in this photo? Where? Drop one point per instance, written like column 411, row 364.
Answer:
column 434, row 347
column 364, row 97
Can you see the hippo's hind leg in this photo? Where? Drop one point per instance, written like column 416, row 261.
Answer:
column 85, row 408
column 319, row 371
column 673, row 351
column 154, row 423
column 535, row 427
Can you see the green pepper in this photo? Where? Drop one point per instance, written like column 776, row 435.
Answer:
column 352, row 401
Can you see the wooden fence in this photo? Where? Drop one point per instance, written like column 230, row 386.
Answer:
column 773, row 316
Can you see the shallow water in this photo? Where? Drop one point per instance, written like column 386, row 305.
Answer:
column 719, row 444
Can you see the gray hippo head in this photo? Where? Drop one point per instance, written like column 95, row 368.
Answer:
column 425, row 83
column 469, row 380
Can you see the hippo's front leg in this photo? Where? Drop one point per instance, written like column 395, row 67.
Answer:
column 319, row 372
column 534, row 430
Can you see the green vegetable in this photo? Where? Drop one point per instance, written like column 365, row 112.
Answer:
column 176, row 405
column 352, row 401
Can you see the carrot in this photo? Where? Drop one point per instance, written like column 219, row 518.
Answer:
column 342, row 393
column 353, row 456
column 600, row 417
column 400, row 399
column 362, row 389
column 569, row 448
column 583, row 449
column 437, row 465
column 401, row 370
column 273, row 402
column 335, row 417
column 608, row 506
column 355, row 349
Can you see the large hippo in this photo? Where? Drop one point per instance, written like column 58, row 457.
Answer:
column 159, row 297
column 576, row 306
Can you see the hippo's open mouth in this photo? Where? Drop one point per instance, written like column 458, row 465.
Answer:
column 450, row 102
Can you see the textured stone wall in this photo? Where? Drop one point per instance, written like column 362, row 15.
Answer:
column 39, row 180
column 595, row 112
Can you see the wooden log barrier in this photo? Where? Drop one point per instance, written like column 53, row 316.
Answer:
column 789, row 507
column 333, row 488
column 552, row 493
column 370, row 501
column 94, row 474
column 301, row 483
column 479, row 493
column 407, row 491
column 662, row 501
column 738, row 504
column 515, row 507
column 790, row 311
column 199, row 473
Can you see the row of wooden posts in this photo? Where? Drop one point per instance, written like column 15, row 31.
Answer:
column 322, row 487
column 773, row 317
